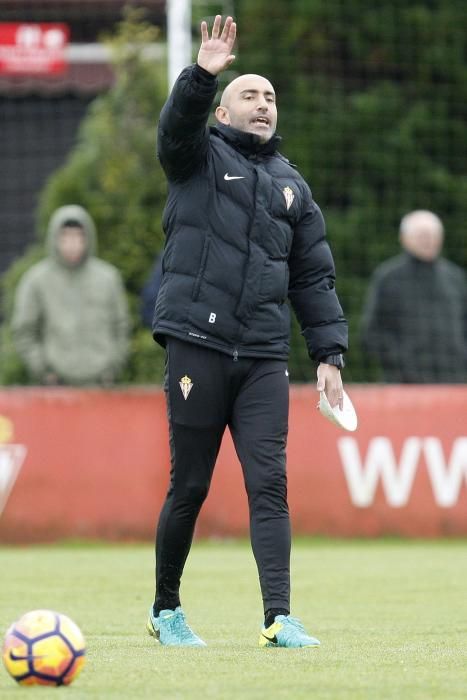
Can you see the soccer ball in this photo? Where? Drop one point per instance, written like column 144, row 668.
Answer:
column 43, row 648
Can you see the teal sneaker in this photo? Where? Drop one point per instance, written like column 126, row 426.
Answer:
column 171, row 629
column 286, row 631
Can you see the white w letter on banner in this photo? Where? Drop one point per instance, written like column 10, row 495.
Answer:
column 380, row 462
column 11, row 460
column 446, row 480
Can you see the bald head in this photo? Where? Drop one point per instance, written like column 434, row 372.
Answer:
column 244, row 82
column 248, row 103
column 421, row 234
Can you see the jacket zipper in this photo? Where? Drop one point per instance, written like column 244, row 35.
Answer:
column 235, row 355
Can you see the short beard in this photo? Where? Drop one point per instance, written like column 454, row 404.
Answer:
column 262, row 138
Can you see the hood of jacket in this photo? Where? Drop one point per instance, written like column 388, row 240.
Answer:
column 71, row 212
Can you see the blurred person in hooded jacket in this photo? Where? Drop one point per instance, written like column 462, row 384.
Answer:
column 70, row 320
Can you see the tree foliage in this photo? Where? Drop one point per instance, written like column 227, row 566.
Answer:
column 372, row 101
column 114, row 174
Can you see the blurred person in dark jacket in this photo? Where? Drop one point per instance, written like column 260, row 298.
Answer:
column 70, row 320
column 415, row 317
column 243, row 235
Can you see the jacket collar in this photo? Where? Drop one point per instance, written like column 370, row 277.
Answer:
column 418, row 263
column 248, row 144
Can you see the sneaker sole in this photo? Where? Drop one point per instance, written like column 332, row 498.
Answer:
column 266, row 643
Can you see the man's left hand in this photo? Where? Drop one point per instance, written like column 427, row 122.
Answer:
column 330, row 381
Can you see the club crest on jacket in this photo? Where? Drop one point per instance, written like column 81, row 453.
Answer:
column 289, row 196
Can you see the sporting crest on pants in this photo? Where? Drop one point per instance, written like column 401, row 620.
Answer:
column 186, row 386
column 289, row 196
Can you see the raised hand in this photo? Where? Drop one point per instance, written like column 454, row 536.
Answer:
column 215, row 53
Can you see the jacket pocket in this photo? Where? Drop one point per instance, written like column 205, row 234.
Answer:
column 202, row 267
column 275, row 281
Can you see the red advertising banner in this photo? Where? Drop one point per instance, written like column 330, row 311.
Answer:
column 33, row 48
column 95, row 464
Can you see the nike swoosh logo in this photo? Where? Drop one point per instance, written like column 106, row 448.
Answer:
column 28, row 657
column 233, row 177
column 270, row 639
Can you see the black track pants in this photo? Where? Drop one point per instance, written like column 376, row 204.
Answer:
column 251, row 396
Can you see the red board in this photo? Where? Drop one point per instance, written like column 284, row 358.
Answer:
column 33, row 48
column 89, row 463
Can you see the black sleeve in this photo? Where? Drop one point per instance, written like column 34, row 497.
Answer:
column 150, row 291
column 182, row 136
column 312, row 286
column 371, row 327
column 379, row 324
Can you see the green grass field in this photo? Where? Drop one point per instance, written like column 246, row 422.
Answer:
column 391, row 616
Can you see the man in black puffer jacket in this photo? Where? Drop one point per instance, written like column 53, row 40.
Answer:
column 243, row 235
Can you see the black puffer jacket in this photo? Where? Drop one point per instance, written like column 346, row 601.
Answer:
column 243, row 234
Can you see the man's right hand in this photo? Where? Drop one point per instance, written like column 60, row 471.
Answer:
column 215, row 53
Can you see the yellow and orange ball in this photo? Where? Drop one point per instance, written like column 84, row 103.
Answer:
column 44, row 647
